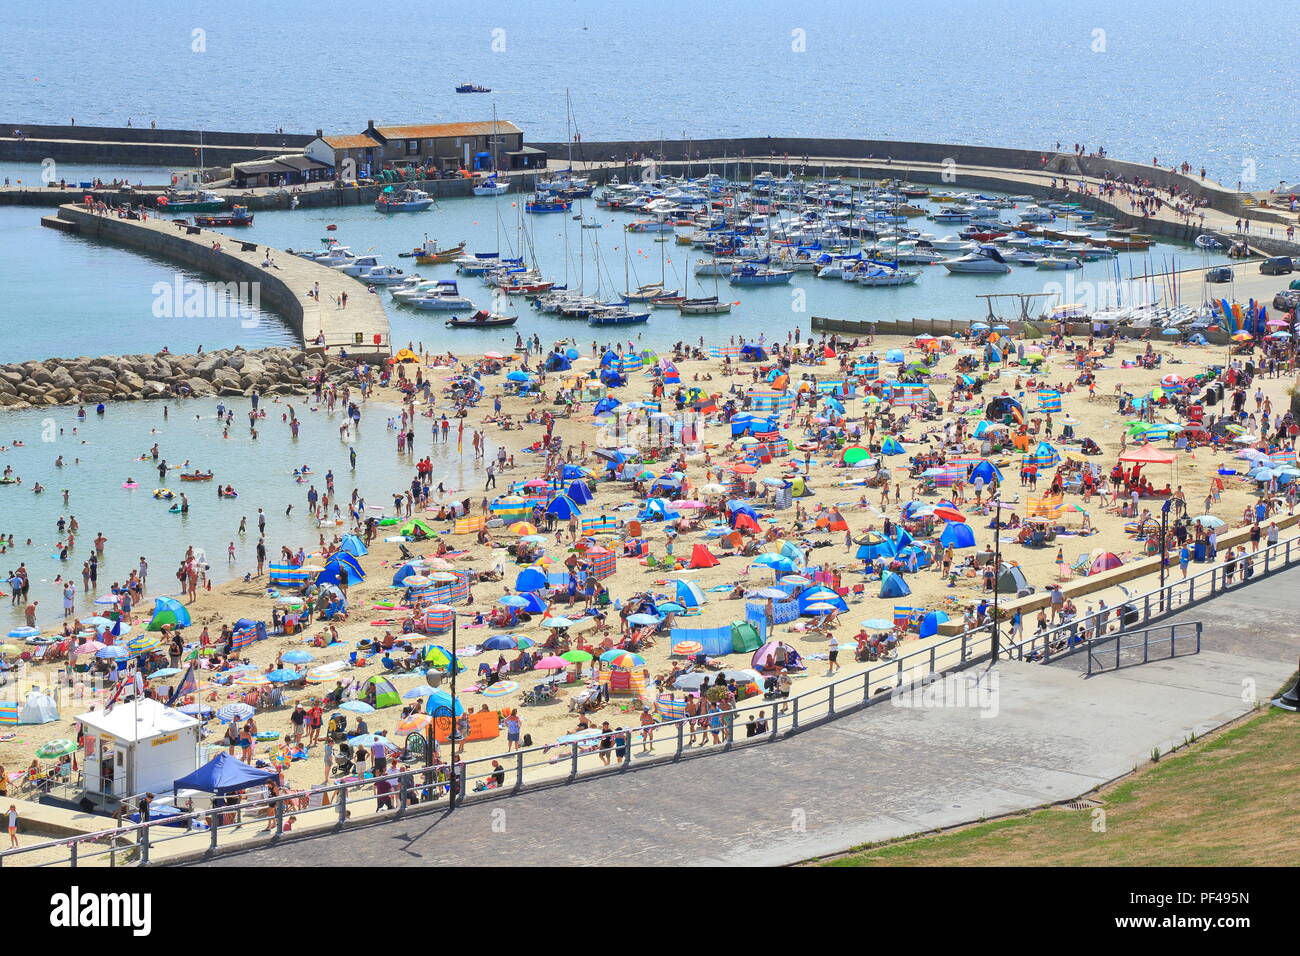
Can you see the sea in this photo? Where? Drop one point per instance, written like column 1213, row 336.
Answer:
column 1160, row 80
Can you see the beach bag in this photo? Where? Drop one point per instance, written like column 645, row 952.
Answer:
column 528, row 740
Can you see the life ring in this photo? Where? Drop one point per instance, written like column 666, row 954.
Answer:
column 175, row 509
column 130, row 484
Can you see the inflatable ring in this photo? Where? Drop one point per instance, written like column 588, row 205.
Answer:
column 130, row 484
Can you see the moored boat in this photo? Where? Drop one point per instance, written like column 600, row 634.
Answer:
column 482, row 319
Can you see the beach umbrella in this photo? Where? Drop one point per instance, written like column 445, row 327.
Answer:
column 795, row 579
column 355, row 707
column 948, row 513
column 54, row 749
column 775, row 594
column 820, row 607
column 10, row 650
column 501, row 688
column 90, row 647
column 742, row 469
column 144, row 644
column 513, row 600
column 576, row 657
column 414, row 724
column 1208, row 521
column 523, row 527
column 687, row 648
column 670, row 607
column 165, row 672
column 283, row 675
column 578, row 737
column 25, row 632
column 713, row 489
column 499, row 642
column 251, row 680
column 368, row 740
column 441, row 700
column 235, row 711
column 878, row 624
column 98, row 621
column 107, row 599
column 112, row 652
column 624, row 659
column 551, row 663
column 419, row 690
column 643, row 619
column 297, row 657
column 557, row 622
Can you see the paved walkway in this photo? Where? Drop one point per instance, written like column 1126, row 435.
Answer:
column 881, row 773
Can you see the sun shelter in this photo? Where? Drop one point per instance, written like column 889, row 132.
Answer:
column 1011, row 580
column 702, row 557
column 354, row 545
column 168, row 611
column 38, row 708
column 136, row 746
column 957, row 535
column 1106, row 561
column 892, row 446
column 893, row 585
column 531, row 578
column 985, row 472
column 930, row 623
column 405, row 355
column 416, row 528
column 689, row 594
column 224, row 774
column 579, row 493
column 872, row 545
column 385, row 694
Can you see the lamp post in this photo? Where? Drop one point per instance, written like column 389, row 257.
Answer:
column 1164, row 539
column 997, row 571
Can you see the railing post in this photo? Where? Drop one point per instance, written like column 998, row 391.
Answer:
column 144, row 844
column 401, row 793
column 573, row 764
column 931, row 659
column 214, row 825
column 519, row 769
column 279, row 818
column 1146, row 644
column 343, row 806
column 963, row 647
column 794, row 715
column 72, row 854
column 866, row 682
column 830, row 701
column 681, row 733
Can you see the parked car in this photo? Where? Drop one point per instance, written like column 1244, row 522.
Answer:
column 1286, row 300
column 1277, row 266
column 1219, row 274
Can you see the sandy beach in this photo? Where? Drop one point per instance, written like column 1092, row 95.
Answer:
column 1095, row 417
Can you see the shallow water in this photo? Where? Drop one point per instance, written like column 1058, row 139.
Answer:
column 137, row 524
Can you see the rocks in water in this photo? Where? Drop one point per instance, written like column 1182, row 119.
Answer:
column 227, row 372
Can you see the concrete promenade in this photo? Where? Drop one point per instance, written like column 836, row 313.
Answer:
column 361, row 328
column 877, row 774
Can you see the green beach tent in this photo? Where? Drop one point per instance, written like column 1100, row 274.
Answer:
column 386, row 694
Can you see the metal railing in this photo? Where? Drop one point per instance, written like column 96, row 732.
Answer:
column 550, row 764
column 1131, row 648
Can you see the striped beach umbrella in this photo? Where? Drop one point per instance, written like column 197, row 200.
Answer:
column 237, row 710
column 501, row 688
column 687, row 648
column 54, row 749
column 523, row 527
column 624, row 659
column 144, row 644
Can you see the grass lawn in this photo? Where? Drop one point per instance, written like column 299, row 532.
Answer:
column 1230, row 799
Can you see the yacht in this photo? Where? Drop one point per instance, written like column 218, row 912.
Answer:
column 985, row 259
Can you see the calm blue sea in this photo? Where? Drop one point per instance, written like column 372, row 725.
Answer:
column 1176, row 79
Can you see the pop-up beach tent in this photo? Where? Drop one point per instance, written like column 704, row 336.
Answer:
column 957, row 535
column 1011, row 580
column 701, row 557
column 1106, row 561
column 386, row 694
column 893, row 586
column 168, row 611
column 892, row 447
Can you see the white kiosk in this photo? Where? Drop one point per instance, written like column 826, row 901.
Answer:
column 138, row 746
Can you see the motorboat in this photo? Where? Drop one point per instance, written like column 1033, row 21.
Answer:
column 201, row 200
column 482, row 319
column 384, row 275
column 986, row 259
column 1059, row 262
column 541, row 202
column 472, row 88
column 238, row 216
column 357, row 265
column 408, row 200
column 432, row 253
column 437, row 300
column 880, row 275
column 1036, row 214
column 493, row 187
